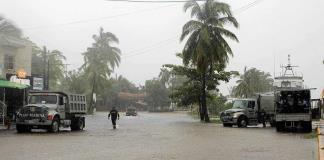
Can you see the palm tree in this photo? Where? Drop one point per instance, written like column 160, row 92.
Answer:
column 7, row 28
column 252, row 81
column 206, row 45
column 100, row 60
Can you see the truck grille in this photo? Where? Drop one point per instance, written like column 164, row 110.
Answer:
column 32, row 112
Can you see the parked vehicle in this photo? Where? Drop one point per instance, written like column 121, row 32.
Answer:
column 51, row 110
column 252, row 111
column 131, row 111
column 293, row 109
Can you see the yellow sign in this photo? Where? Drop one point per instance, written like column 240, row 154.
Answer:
column 322, row 93
column 21, row 73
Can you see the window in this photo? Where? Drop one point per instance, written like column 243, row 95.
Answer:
column 9, row 62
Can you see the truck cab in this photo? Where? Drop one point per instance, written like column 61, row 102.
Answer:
column 242, row 113
column 250, row 111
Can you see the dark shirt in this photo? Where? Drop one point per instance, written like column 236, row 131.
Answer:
column 114, row 114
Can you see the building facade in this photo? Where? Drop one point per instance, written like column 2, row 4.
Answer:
column 15, row 55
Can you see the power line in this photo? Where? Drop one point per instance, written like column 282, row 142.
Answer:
column 97, row 19
column 150, row 1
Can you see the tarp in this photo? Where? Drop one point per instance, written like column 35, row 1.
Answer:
column 8, row 84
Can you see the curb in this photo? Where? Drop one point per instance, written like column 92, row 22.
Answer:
column 319, row 144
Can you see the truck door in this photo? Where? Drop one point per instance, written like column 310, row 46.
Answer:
column 251, row 110
column 61, row 107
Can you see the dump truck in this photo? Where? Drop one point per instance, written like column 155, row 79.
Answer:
column 250, row 111
column 293, row 109
column 52, row 110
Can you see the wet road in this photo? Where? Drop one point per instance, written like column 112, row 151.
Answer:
column 156, row 136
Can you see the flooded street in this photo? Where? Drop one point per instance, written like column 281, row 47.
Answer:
column 157, row 136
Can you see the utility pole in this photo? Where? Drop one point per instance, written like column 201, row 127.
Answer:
column 44, row 68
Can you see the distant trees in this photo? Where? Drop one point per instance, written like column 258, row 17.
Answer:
column 157, row 94
column 206, row 47
column 252, row 81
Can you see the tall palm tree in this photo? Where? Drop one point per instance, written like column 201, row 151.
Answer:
column 206, row 44
column 7, row 28
column 100, row 60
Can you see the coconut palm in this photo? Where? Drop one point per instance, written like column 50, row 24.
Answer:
column 206, row 44
column 100, row 60
column 7, row 28
column 252, row 81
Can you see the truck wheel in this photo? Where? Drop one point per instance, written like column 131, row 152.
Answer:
column 55, row 127
column 307, row 126
column 242, row 122
column 280, row 126
column 227, row 125
column 80, row 124
column 21, row 128
column 272, row 124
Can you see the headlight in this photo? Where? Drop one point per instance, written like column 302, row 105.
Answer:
column 235, row 115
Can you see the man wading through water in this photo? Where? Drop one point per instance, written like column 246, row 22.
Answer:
column 114, row 115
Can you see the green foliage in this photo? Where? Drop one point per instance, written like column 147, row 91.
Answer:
column 253, row 81
column 7, row 28
column 206, row 46
column 55, row 59
column 100, row 61
column 157, row 94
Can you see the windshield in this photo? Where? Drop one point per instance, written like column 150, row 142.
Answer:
column 240, row 104
column 38, row 99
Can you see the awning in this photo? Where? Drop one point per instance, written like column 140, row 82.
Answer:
column 8, row 84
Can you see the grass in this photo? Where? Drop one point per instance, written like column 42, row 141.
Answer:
column 213, row 119
column 311, row 135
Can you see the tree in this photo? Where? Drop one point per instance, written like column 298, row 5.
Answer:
column 190, row 91
column 157, row 94
column 7, row 28
column 253, row 81
column 49, row 64
column 100, row 61
column 206, row 45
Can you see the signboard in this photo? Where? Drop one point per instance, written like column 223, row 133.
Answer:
column 38, row 83
column 20, row 81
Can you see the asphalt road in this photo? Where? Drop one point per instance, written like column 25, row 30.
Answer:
column 156, row 136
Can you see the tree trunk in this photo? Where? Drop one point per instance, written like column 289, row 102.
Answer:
column 203, row 99
column 92, row 91
column 201, row 114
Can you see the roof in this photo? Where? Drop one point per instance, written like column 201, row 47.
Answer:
column 12, row 41
column 47, row 92
column 8, row 84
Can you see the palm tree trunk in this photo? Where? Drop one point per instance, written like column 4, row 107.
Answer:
column 201, row 114
column 203, row 103
column 92, row 91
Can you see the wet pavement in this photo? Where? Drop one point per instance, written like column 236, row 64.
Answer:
column 157, row 136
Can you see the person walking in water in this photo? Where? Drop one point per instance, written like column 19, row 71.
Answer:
column 114, row 115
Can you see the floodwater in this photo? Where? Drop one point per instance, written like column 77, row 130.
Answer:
column 156, row 136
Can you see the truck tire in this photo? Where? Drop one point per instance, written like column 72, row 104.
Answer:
column 242, row 122
column 280, row 126
column 272, row 124
column 21, row 128
column 80, row 124
column 307, row 127
column 55, row 127
column 227, row 125
column 77, row 124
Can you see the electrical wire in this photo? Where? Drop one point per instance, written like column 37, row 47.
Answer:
column 97, row 19
column 150, row 1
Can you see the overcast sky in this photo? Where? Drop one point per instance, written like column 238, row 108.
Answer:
column 149, row 33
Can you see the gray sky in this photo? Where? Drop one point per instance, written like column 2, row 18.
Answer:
column 149, row 33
